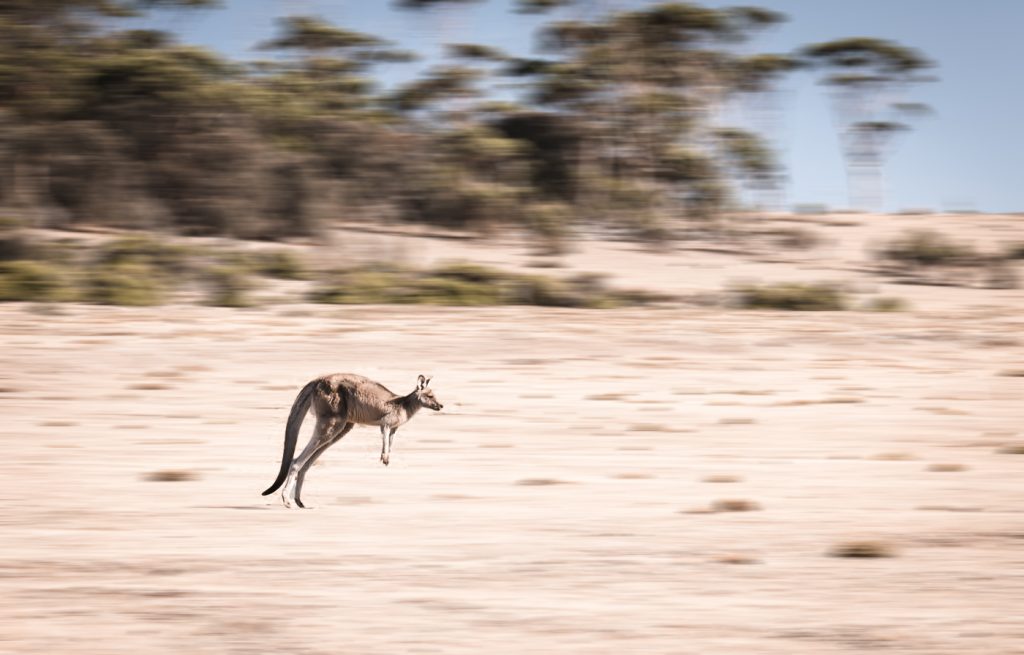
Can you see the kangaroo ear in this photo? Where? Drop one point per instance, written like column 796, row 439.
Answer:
column 421, row 382
column 427, row 381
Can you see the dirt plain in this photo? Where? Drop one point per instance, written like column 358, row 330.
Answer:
column 669, row 479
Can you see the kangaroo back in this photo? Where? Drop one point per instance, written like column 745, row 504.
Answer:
column 291, row 432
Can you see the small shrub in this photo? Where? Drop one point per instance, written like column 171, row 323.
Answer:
column 469, row 285
column 545, row 292
column 228, row 287
column 550, row 221
column 1015, row 251
column 1000, row 274
column 796, row 238
column 279, row 264
column 439, row 290
column 886, row 304
column 469, row 272
column 793, row 296
column 1012, row 449
column 34, row 281
column 166, row 259
column 366, row 286
column 124, row 283
column 928, row 248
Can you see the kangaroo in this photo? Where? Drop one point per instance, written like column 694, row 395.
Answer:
column 340, row 402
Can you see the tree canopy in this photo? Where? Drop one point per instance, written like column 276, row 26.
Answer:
column 614, row 120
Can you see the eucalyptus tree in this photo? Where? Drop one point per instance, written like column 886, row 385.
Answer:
column 66, row 155
column 868, row 78
column 643, row 86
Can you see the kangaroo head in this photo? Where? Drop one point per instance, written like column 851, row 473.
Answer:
column 425, row 396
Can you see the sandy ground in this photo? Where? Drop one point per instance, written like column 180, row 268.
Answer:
column 563, row 500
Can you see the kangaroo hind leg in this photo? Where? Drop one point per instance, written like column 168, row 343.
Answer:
column 321, row 434
column 322, row 447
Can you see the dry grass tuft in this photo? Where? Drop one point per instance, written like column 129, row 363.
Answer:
column 649, row 427
column 885, row 304
column 946, row 468
column 171, row 476
column 792, row 296
column 539, row 482
column 862, row 549
column 1012, row 449
column 734, row 505
column 893, row 457
column 735, row 558
column 606, row 396
column 150, row 386
column 722, row 479
column 736, row 421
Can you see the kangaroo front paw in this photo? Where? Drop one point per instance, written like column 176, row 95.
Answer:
column 384, row 460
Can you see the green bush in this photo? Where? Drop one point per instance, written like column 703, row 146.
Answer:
column 796, row 238
column 163, row 258
column 124, row 283
column 228, row 287
column 440, row 290
column 793, row 296
column 24, row 280
column 279, row 264
column 550, row 221
column 469, row 285
column 470, row 272
column 928, row 248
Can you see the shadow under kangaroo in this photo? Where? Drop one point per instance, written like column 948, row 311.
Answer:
column 340, row 402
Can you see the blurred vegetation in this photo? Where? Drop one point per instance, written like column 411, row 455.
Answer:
column 471, row 285
column 793, row 296
column 129, row 283
column 930, row 257
column 228, row 286
column 1015, row 251
column 106, row 124
column 142, row 270
column 24, row 280
column 928, row 248
column 277, row 264
column 886, row 304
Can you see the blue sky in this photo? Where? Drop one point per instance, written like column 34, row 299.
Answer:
column 969, row 155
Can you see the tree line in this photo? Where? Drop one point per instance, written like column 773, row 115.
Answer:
column 614, row 121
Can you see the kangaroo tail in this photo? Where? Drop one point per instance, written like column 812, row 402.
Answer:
column 291, row 433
